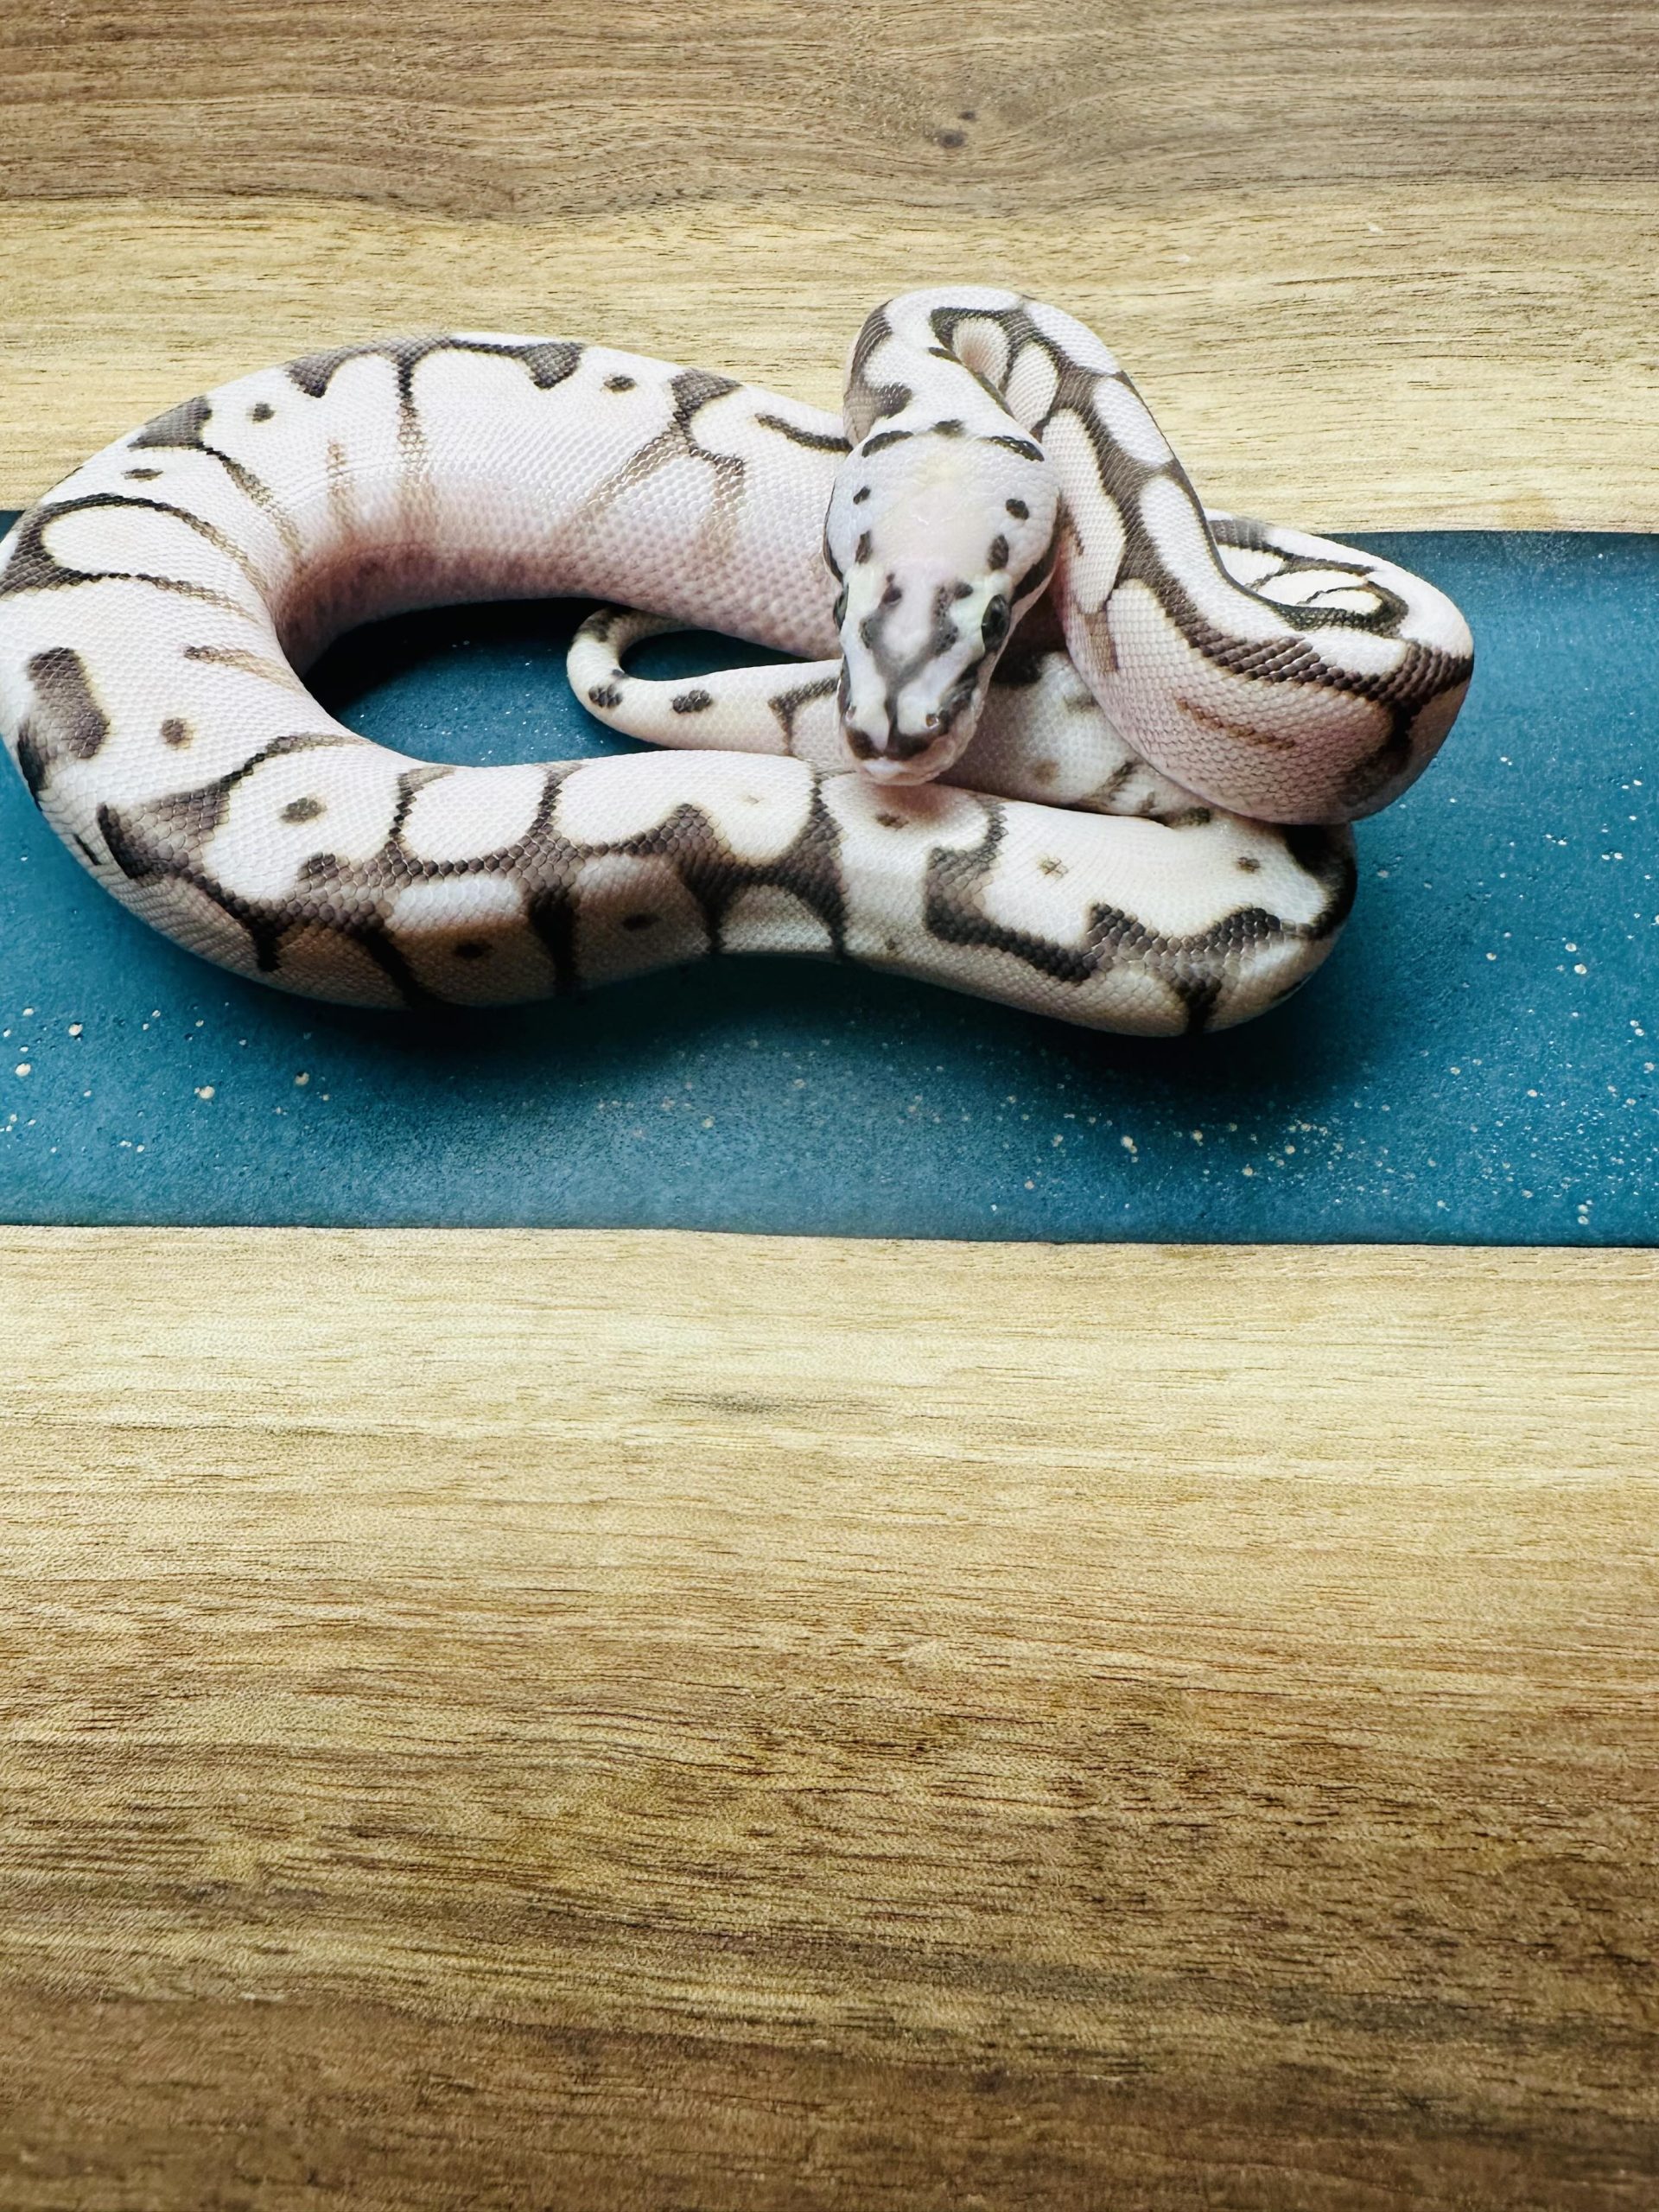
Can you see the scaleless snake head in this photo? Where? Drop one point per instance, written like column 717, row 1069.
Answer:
column 940, row 537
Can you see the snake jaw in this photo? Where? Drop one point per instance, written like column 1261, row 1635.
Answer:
column 912, row 733
column 913, row 675
column 919, row 642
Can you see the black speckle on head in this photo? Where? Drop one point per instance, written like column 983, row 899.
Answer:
column 176, row 731
column 261, row 411
column 953, row 137
column 618, row 384
column 302, row 810
column 143, row 475
column 962, row 591
column 860, row 495
column 967, row 115
column 1249, row 862
column 638, row 921
column 952, row 429
column 473, row 948
column 861, row 551
column 891, row 821
column 998, row 557
column 1018, row 510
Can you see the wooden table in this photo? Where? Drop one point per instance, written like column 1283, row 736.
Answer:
column 521, row 1720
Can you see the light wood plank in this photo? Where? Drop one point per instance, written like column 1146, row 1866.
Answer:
column 1464, row 357
column 524, row 109
column 697, row 1723
column 648, row 1719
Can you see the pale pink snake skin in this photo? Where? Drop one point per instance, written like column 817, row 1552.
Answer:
column 1084, row 829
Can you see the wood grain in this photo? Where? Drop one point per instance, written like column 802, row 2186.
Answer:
column 641, row 1720
column 1373, row 266
column 692, row 1725
column 515, row 109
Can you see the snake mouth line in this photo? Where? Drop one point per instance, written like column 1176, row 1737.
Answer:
column 884, row 768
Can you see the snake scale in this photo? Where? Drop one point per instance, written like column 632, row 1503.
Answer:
column 1065, row 740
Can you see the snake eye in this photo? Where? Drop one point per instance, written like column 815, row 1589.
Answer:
column 994, row 628
column 838, row 612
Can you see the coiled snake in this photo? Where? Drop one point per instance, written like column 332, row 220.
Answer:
column 1125, row 806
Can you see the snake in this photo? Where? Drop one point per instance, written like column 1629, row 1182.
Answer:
column 1051, row 733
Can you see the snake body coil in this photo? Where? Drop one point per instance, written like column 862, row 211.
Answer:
column 1085, row 828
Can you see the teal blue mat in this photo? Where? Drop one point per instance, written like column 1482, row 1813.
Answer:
column 1476, row 1062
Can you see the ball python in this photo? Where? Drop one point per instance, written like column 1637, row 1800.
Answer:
column 1133, row 817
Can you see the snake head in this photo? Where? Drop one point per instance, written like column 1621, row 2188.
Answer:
column 940, row 538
